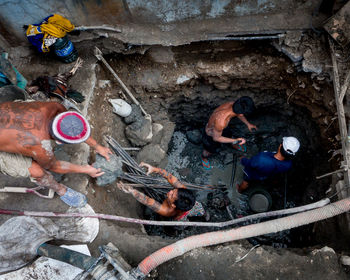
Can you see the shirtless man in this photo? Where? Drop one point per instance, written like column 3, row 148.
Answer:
column 179, row 203
column 26, row 131
column 219, row 120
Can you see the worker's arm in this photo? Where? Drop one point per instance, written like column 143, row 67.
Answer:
column 63, row 167
column 248, row 124
column 103, row 151
column 145, row 200
column 217, row 136
column 171, row 179
column 47, row 160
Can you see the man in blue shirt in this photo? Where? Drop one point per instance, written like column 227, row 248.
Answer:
column 266, row 164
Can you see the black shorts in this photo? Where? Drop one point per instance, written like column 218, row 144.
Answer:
column 212, row 146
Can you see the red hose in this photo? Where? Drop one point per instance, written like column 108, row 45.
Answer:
column 212, row 238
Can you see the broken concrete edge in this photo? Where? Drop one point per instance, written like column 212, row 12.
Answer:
column 261, row 263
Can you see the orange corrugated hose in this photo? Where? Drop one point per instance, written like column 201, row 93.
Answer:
column 212, row 238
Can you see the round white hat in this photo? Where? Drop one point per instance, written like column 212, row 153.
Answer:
column 291, row 145
column 71, row 127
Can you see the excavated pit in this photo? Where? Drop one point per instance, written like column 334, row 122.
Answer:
column 275, row 119
column 181, row 86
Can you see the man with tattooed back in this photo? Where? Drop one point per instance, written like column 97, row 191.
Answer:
column 27, row 131
column 179, row 204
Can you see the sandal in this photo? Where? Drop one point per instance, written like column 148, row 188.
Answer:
column 241, row 148
column 206, row 163
column 74, row 198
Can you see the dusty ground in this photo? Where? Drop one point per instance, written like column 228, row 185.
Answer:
column 182, row 85
column 261, row 263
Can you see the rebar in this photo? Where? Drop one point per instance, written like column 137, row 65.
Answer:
column 137, row 175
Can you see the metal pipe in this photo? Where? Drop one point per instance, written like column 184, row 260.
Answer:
column 245, row 38
column 331, row 173
column 102, row 27
column 99, row 56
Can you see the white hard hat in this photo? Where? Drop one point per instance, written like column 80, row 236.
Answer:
column 291, row 145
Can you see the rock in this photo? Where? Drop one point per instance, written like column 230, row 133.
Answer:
column 104, row 83
column 169, row 128
column 152, row 154
column 194, row 136
column 157, row 130
column 324, row 249
column 290, row 45
column 135, row 115
column 345, row 260
column 182, row 79
column 310, row 65
column 222, row 85
column 139, row 133
column 294, row 54
column 112, row 169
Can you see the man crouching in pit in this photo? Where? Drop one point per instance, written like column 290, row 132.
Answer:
column 26, row 133
column 179, row 204
column 216, row 131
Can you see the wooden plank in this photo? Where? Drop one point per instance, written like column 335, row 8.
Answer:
column 341, row 116
column 344, row 88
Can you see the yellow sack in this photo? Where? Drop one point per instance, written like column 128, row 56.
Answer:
column 33, row 30
column 57, row 26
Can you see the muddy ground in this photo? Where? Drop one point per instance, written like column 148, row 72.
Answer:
column 179, row 87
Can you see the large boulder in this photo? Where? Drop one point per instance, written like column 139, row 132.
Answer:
column 112, row 169
column 139, row 133
column 169, row 128
column 194, row 136
column 158, row 131
column 152, row 154
column 135, row 115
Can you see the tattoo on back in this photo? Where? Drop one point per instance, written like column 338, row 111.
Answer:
column 20, row 116
column 26, row 139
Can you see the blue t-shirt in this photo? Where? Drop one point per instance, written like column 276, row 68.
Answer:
column 264, row 165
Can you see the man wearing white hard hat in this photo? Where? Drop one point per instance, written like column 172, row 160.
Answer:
column 267, row 164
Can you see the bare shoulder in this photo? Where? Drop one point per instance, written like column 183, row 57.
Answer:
column 227, row 105
column 22, row 106
column 55, row 106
